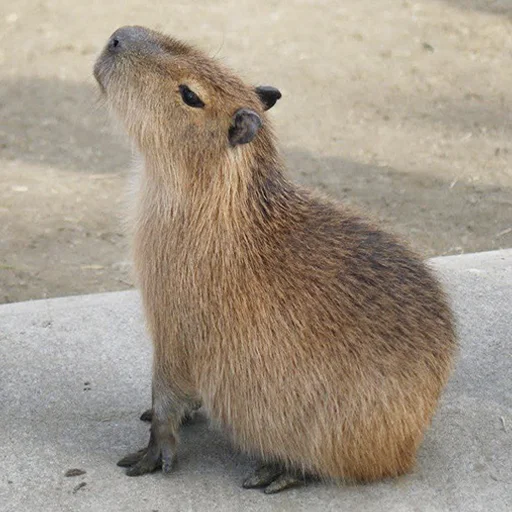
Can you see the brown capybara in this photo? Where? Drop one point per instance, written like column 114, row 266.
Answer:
column 317, row 340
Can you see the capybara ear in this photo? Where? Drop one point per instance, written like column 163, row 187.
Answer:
column 268, row 95
column 244, row 126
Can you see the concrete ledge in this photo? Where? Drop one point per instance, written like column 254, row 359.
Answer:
column 75, row 373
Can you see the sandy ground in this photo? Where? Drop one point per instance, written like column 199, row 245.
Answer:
column 399, row 107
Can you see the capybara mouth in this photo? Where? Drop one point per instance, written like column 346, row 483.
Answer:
column 101, row 71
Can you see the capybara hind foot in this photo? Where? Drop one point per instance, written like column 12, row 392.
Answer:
column 273, row 478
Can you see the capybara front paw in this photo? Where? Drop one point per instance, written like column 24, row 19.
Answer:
column 147, row 461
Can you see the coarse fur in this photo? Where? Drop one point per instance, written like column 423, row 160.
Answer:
column 315, row 338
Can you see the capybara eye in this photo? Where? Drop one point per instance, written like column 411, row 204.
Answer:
column 190, row 97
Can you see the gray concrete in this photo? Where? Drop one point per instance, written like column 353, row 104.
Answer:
column 51, row 422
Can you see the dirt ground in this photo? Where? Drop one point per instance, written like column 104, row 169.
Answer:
column 400, row 107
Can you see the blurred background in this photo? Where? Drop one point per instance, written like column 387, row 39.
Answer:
column 399, row 107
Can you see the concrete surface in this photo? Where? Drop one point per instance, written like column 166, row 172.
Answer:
column 74, row 376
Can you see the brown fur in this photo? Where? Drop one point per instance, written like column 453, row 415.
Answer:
column 312, row 336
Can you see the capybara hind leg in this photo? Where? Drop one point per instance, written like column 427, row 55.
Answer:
column 282, row 482
column 273, row 478
column 263, row 476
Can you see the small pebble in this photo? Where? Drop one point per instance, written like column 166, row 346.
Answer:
column 79, row 486
column 74, row 472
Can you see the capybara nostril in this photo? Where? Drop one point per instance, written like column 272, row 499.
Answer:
column 114, row 43
column 125, row 37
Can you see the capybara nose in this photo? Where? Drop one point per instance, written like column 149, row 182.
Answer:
column 125, row 37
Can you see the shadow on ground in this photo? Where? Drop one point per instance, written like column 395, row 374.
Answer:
column 437, row 216
column 63, row 124
column 60, row 124
column 500, row 7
